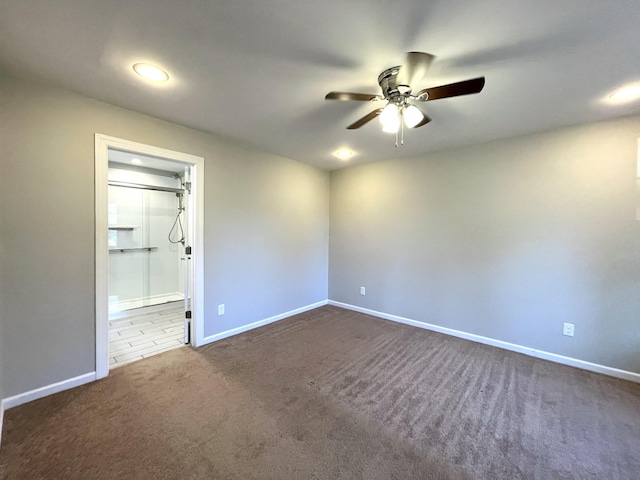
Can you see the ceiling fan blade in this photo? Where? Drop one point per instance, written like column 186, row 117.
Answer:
column 424, row 121
column 414, row 67
column 358, row 97
column 367, row 118
column 466, row 87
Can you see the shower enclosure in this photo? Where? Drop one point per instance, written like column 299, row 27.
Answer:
column 146, row 239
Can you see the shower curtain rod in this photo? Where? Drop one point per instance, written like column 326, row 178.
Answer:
column 142, row 186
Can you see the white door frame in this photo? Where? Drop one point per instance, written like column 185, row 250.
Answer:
column 102, row 145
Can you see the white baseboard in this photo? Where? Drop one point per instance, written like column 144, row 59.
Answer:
column 260, row 323
column 31, row 395
column 532, row 352
column 122, row 305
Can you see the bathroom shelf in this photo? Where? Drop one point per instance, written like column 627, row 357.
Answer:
column 122, row 227
column 138, row 249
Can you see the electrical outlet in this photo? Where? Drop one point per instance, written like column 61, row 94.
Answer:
column 362, row 291
column 221, row 309
column 568, row 329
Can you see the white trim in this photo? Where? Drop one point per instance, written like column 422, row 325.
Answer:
column 260, row 323
column 1, row 419
column 150, row 301
column 196, row 222
column 102, row 256
column 532, row 352
column 47, row 390
column 638, row 162
column 102, row 145
column 142, row 310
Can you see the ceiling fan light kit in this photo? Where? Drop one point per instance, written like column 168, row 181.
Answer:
column 397, row 87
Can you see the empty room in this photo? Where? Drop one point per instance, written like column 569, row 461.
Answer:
column 330, row 240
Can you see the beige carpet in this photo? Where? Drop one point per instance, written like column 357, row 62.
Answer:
column 332, row 394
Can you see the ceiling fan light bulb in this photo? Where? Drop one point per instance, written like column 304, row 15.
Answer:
column 412, row 116
column 391, row 127
column 390, row 119
column 389, row 113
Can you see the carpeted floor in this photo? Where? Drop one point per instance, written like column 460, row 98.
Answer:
column 332, row 394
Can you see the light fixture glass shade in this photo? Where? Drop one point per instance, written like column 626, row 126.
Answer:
column 390, row 119
column 412, row 116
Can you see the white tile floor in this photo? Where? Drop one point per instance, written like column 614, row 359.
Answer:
column 144, row 332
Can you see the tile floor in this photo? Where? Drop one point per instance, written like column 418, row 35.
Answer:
column 144, row 332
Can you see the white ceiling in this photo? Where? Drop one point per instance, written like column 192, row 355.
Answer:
column 257, row 71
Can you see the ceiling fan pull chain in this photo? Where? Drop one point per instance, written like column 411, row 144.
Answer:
column 401, row 128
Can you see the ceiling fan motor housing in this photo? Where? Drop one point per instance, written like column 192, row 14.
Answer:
column 394, row 93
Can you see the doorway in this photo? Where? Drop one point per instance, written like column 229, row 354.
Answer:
column 148, row 200
column 149, row 263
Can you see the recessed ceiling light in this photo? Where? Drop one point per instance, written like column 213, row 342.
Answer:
column 151, row 72
column 343, row 154
column 627, row 93
column 136, row 161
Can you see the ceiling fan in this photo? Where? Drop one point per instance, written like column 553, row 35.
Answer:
column 398, row 87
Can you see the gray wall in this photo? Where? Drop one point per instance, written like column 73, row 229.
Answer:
column 506, row 240
column 266, row 229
